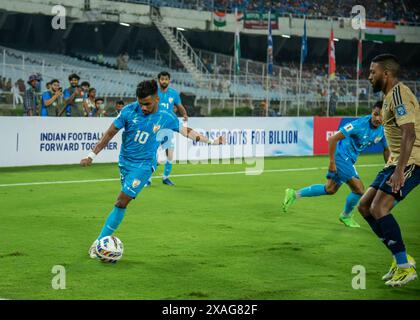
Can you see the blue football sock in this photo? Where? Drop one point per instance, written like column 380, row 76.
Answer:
column 312, row 191
column 112, row 222
column 351, row 202
column 168, row 169
column 393, row 238
column 401, row 258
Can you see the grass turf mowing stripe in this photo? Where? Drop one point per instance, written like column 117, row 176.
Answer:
column 250, row 172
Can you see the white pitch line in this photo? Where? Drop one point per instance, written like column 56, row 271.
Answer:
column 250, row 172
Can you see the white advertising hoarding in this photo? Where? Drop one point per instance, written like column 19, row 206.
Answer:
column 29, row 141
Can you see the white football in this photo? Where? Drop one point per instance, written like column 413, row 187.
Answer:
column 109, row 249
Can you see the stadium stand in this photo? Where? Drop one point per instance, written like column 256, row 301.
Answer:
column 399, row 11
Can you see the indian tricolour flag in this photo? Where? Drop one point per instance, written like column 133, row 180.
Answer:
column 380, row 31
column 219, row 19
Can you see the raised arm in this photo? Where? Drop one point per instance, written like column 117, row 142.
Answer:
column 52, row 99
column 107, row 137
column 332, row 147
column 194, row 135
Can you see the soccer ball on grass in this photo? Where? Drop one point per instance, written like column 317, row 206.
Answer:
column 109, row 249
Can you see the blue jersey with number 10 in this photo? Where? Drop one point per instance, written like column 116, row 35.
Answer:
column 168, row 99
column 359, row 134
column 139, row 139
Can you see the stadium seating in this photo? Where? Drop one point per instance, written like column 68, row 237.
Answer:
column 392, row 10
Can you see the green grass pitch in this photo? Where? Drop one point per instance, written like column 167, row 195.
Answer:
column 210, row 237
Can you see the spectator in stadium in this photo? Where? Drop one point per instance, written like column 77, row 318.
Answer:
column 8, row 86
column 48, row 85
column 73, row 98
column 30, row 101
column 85, row 88
column 100, row 107
column 100, row 58
column 39, row 85
column 50, row 99
column 125, row 59
column 17, row 98
column 89, row 103
column 119, row 105
column 333, row 103
column 262, row 111
column 21, row 85
column 122, row 61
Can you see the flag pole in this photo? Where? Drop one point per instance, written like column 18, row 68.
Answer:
column 359, row 62
column 329, row 70
column 300, row 86
column 267, row 73
column 300, row 69
column 357, row 93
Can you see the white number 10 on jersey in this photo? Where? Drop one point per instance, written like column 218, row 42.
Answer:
column 141, row 136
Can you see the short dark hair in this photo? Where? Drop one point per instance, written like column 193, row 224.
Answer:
column 99, row 99
column 85, row 83
column 388, row 62
column 164, row 74
column 146, row 88
column 378, row 104
column 53, row 81
column 90, row 90
column 74, row 76
column 120, row 102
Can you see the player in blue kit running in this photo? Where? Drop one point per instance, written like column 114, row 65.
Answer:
column 170, row 101
column 344, row 148
column 142, row 123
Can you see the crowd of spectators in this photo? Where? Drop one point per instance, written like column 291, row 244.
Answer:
column 76, row 100
column 401, row 11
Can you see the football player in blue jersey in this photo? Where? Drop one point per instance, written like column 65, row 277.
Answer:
column 344, row 148
column 170, row 101
column 142, row 122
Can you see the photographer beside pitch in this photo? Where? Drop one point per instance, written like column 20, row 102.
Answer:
column 142, row 121
column 401, row 121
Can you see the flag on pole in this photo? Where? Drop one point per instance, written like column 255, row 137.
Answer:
column 331, row 56
column 304, row 49
column 237, row 43
column 219, row 19
column 359, row 54
column 269, row 48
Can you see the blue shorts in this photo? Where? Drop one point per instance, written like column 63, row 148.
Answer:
column 345, row 171
column 412, row 180
column 133, row 179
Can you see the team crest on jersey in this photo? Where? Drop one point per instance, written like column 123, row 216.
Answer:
column 401, row 110
column 136, row 183
column 156, row 127
column 348, row 127
column 377, row 139
column 171, row 100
